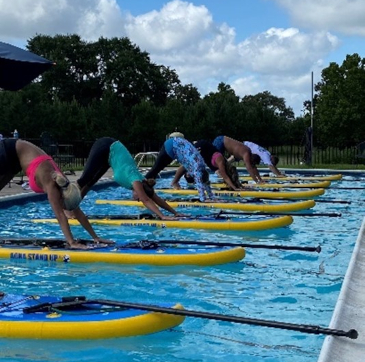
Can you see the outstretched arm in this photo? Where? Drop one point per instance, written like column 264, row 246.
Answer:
column 252, row 169
column 162, row 203
column 276, row 171
column 221, row 164
column 85, row 223
column 148, row 202
column 55, row 200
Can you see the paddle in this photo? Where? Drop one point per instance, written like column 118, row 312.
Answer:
column 147, row 244
column 7, row 306
column 246, row 200
column 55, row 243
column 219, row 244
column 324, row 200
column 346, row 188
column 329, row 214
column 303, row 328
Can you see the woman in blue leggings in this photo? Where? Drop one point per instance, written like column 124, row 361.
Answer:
column 188, row 156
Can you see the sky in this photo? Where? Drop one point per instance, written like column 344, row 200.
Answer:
column 252, row 45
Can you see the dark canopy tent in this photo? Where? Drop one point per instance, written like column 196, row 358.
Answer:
column 18, row 67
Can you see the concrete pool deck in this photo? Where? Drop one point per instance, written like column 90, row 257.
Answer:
column 349, row 312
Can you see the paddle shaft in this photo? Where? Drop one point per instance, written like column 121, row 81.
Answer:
column 256, row 246
column 303, row 328
column 331, row 214
column 316, row 200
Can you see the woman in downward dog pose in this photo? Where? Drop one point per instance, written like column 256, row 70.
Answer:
column 107, row 152
column 44, row 177
column 216, row 162
column 189, row 157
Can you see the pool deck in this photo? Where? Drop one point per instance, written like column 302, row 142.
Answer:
column 349, row 312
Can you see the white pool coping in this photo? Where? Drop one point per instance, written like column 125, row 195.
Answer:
column 349, row 312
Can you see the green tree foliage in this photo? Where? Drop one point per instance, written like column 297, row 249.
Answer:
column 85, row 70
column 267, row 118
column 111, row 88
column 340, row 108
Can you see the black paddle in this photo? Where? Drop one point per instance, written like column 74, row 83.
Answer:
column 303, row 328
column 329, row 214
column 324, row 200
column 219, row 244
column 147, row 244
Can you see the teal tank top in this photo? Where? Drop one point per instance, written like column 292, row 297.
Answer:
column 124, row 167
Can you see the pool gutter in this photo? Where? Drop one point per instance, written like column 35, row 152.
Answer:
column 349, row 311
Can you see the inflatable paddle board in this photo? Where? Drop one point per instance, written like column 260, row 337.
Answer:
column 297, row 178
column 49, row 317
column 248, row 223
column 53, row 250
column 299, row 194
column 262, row 206
column 307, row 185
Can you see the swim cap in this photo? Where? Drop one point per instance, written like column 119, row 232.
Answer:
column 176, row 134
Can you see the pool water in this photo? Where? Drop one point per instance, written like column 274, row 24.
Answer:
column 286, row 286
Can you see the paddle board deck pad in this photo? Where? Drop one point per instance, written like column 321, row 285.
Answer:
column 299, row 178
column 298, row 194
column 53, row 250
column 308, row 185
column 49, row 317
column 246, row 223
column 262, row 206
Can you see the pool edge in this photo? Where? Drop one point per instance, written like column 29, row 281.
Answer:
column 349, row 312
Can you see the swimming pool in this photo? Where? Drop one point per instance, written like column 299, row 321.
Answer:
column 269, row 284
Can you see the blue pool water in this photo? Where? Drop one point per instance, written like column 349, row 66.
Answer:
column 295, row 287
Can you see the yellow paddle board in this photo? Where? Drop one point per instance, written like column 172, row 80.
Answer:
column 302, row 194
column 262, row 206
column 309, row 185
column 248, row 223
column 299, row 178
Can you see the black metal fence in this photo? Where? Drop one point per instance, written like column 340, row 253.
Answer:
column 288, row 155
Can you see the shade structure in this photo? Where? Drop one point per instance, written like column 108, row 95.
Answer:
column 18, row 67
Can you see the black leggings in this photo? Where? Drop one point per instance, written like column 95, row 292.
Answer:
column 9, row 161
column 96, row 165
column 163, row 160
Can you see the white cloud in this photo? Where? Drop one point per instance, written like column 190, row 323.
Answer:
column 22, row 19
column 186, row 38
column 286, row 50
column 176, row 25
column 343, row 16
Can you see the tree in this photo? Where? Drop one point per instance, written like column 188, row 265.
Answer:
column 85, row 70
column 340, row 107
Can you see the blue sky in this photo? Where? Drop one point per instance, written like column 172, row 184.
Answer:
column 252, row 45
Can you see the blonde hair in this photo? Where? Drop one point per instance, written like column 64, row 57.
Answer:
column 71, row 193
